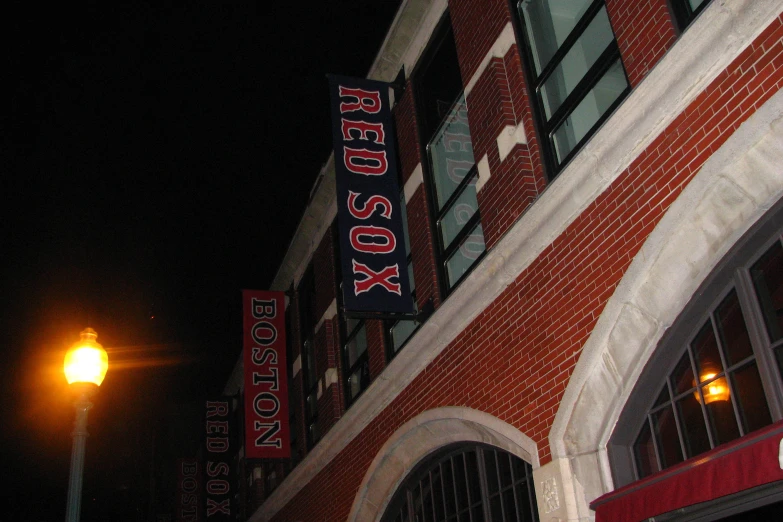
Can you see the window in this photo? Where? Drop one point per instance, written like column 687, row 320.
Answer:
column 309, row 373
column 466, row 483
column 576, row 71
column 686, row 10
column 398, row 332
column 356, row 361
column 443, row 116
column 722, row 364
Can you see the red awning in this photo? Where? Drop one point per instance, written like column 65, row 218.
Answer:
column 739, row 465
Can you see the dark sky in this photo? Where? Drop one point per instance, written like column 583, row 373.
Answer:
column 155, row 158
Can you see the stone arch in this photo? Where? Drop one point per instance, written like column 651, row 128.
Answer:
column 734, row 188
column 421, row 436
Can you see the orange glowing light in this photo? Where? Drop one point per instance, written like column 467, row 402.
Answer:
column 717, row 390
column 86, row 361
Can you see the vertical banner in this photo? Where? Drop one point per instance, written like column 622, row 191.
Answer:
column 372, row 245
column 188, row 499
column 220, row 447
column 266, row 381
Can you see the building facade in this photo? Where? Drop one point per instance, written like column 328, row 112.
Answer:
column 594, row 225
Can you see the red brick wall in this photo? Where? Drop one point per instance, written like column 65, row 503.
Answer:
column 515, row 359
column 644, row 30
column 476, row 24
column 407, row 132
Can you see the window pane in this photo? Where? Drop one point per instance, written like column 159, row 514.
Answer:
column 474, row 485
column 451, row 152
column 355, row 383
column 460, row 212
column 732, row 330
column 754, row 409
column 720, row 411
column 401, row 332
column 644, row 451
column 547, row 28
column 460, row 482
column 682, row 376
column 694, row 431
column 584, row 117
column 504, row 468
column 448, row 481
column 663, row 398
column 491, row 471
column 437, row 493
column 705, row 351
column 467, row 253
column 356, row 346
column 767, row 276
column 575, row 64
column 696, row 3
column 667, row 438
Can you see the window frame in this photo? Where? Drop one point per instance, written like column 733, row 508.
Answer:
column 731, row 273
column 403, row 497
column 362, row 363
column 546, row 128
column 684, row 14
column 427, row 131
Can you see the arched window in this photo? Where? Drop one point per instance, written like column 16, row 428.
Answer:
column 466, row 482
column 716, row 375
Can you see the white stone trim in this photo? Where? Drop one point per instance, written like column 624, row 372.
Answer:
column 329, row 314
column 717, row 36
column 734, row 188
column 422, row 36
column 510, row 137
column 483, row 172
column 421, row 436
column 296, row 367
column 502, row 44
column 413, row 183
column 330, row 377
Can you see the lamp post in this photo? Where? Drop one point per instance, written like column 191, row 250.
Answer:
column 86, row 363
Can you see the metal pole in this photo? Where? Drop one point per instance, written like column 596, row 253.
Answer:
column 77, row 459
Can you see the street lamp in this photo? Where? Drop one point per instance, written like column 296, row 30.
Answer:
column 86, row 363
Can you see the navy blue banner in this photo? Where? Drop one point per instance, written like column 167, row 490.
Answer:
column 372, row 245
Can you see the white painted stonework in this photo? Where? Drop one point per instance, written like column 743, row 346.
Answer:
column 483, row 172
column 297, row 365
column 330, row 376
column 413, row 183
column 510, row 137
column 736, row 186
column 418, row 438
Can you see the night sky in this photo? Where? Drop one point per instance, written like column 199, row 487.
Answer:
column 155, row 160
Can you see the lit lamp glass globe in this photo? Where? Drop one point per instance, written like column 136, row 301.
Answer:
column 86, row 361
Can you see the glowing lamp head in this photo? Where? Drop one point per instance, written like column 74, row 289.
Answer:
column 717, row 390
column 86, row 361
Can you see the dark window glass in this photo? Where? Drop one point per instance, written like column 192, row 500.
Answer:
column 686, row 10
column 577, row 74
column 767, row 276
column 732, row 330
column 644, row 451
column 753, row 407
column 692, row 424
column 666, row 437
column 306, row 293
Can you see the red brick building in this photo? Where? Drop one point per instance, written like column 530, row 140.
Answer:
column 593, row 197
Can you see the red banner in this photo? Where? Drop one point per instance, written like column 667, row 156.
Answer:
column 188, row 479
column 266, row 385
